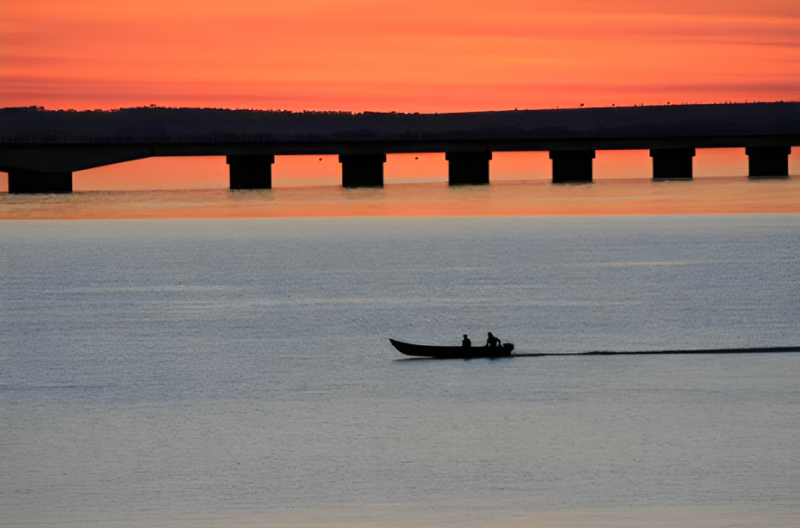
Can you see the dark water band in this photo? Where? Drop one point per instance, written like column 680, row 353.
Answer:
column 766, row 350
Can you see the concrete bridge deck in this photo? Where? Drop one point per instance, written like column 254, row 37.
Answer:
column 41, row 149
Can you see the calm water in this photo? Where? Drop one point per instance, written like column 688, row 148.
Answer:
column 723, row 195
column 234, row 372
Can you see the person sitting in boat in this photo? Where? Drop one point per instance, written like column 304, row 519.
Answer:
column 466, row 343
column 492, row 341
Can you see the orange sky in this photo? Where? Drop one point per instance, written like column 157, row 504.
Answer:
column 404, row 55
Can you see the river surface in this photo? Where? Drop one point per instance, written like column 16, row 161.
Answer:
column 619, row 197
column 238, row 372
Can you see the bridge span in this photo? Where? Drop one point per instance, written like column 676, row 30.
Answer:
column 41, row 149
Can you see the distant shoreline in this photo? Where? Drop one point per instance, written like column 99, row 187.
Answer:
column 211, row 126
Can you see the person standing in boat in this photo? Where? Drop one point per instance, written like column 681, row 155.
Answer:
column 466, row 343
column 492, row 341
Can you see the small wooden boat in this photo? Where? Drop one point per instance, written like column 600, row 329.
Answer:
column 452, row 352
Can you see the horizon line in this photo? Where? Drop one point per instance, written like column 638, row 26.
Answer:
column 351, row 112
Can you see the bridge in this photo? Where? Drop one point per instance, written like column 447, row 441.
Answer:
column 40, row 149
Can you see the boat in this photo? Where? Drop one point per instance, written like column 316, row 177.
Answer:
column 452, row 352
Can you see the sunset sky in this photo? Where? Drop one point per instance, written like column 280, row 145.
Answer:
column 404, row 55
column 394, row 55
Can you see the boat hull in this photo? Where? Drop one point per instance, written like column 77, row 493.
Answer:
column 451, row 352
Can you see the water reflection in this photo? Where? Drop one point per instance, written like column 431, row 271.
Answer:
column 504, row 198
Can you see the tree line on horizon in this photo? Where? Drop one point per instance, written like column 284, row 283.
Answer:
column 154, row 124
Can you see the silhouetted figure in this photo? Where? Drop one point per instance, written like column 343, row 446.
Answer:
column 466, row 342
column 492, row 341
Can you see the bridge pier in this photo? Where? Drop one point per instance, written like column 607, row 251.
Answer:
column 250, row 172
column 35, row 182
column 468, row 168
column 362, row 170
column 672, row 164
column 572, row 166
column 768, row 161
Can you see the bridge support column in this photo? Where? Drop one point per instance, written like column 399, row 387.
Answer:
column 362, row 170
column 672, row 164
column 768, row 161
column 468, row 168
column 31, row 181
column 250, row 172
column 572, row 166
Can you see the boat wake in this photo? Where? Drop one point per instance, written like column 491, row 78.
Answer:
column 766, row 350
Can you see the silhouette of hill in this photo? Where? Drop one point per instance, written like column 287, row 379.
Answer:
column 212, row 125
